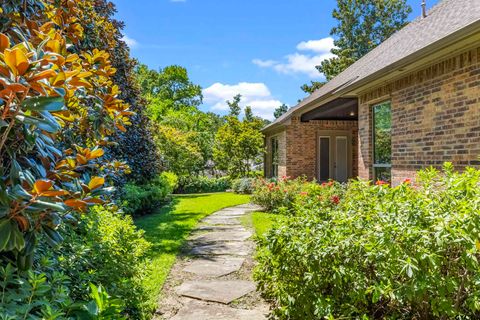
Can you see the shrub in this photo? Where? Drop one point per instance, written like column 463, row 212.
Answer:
column 202, row 184
column 105, row 249
column 243, row 185
column 277, row 195
column 143, row 199
column 379, row 252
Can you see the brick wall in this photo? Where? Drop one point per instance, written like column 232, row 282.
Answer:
column 435, row 117
column 282, row 156
column 298, row 147
column 301, row 142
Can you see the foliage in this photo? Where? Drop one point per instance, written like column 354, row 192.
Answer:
column 101, row 307
column 169, row 227
column 362, row 25
column 261, row 222
column 280, row 111
column 171, row 87
column 106, row 249
column 135, row 145
column 375, row 251
column 239, row 143
column 277, row 195
column 202, row 184
column 184, row 135
column 59, row 108
column 243, row 185
column 144, row 199
column 312, row 87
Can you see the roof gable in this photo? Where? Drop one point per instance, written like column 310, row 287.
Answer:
column 443, row 20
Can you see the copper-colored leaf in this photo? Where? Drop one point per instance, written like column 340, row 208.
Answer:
column 4, row 42
column 96, row 182
column 17, row 61
column 42, row 186
column 76, row 204
column 96, row 154
column 54, row 193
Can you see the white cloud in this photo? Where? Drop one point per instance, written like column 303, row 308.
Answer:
column 322, row 46
column 264, row 63
column 132, row 43
column 256, row 95
column 302, row 63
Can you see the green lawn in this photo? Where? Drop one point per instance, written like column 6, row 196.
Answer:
column 168, row 228
column 261, row 221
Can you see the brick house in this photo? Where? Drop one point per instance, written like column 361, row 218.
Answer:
column 412, row 102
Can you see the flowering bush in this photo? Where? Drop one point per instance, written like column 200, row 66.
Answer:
column 374, row 251
column 278, row 195
column 243, row 185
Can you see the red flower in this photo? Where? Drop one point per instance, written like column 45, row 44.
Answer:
column 304, row 193
column 381, row 183
column 335, row 199
column 408, row 181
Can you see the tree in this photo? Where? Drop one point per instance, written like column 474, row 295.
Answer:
column 183, row 134
column 362, row 25
column 239, row 143
column 312, row 87
column 135, row 143
column 234, row 106
column 280, row 111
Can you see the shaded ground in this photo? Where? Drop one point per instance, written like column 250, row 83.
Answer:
column 212, row 278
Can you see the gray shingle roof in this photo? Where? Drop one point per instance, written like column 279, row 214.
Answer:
column 443, row 20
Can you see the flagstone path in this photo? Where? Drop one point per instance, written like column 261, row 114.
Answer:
column 212, row 279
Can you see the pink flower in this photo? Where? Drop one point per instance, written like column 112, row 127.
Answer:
column 304, row 193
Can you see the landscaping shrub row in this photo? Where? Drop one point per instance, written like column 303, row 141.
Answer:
column 372, row 251
column 142, row 199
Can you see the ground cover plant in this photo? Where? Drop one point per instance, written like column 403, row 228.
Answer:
column 168, row 228
column 373, row 251
column 203, row 184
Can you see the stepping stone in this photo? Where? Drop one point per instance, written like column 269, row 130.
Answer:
column 196, row 310
column 221, row 221
column 223, row 291
column 223, row 236
column 235, row 248
column 219, row 228
column 215, row 267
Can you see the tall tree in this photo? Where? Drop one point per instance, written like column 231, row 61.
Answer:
column 362, row 25
column 239, row 143
column 280, row 111
column 234, row 106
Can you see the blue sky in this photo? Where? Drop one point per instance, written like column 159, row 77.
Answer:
column 263, row 49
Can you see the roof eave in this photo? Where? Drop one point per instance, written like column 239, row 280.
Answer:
column 441, row 43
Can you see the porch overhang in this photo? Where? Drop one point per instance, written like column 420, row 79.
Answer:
column 345, row 109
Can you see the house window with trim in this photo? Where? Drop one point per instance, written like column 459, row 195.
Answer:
column 382, row 141
column 274, row 169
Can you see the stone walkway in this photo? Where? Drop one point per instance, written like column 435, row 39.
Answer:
column 212, row 279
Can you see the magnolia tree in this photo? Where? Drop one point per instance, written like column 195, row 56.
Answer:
column 58, row 108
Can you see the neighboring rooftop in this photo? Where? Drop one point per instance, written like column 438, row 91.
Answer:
column 443, row 20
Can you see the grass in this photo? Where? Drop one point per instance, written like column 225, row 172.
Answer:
column 261, row 222
column 168, row 228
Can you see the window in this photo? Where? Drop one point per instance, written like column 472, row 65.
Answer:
column 274, row 169
column 382, row 141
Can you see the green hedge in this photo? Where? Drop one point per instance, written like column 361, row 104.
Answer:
column 202, row 184
column 368, row 251
column 143, row 199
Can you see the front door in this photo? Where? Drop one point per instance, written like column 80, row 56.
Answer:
column 334, row 156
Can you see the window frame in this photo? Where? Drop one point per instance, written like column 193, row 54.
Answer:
column 274, row 145
column 376, row 166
